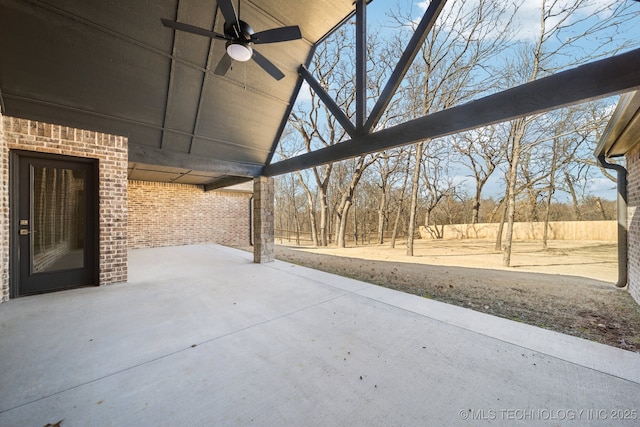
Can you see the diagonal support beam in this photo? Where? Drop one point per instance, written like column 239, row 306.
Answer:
column 409, row 54
column 598, row 79
column 328, row 101
column 172, row 68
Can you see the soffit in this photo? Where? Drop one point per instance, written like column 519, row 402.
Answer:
column 623, row 130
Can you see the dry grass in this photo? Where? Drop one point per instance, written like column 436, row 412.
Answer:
column 568, row 287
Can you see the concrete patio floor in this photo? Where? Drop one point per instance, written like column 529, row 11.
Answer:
column 201, row 336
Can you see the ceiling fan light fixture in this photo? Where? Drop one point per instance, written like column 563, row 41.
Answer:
column 239, row 51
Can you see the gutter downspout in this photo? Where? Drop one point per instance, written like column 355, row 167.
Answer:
column 251, row 220
column 622, row 218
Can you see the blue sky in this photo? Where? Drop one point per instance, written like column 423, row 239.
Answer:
column 528, row 24
column 527, row 16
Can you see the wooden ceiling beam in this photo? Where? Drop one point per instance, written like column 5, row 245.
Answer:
column 409, row 54
column 225, row 182
column 597, row 79
column 156, row 156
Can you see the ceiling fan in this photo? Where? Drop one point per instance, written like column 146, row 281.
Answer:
column 240, row 39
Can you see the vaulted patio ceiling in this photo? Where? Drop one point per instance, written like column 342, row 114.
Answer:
column 111, row 66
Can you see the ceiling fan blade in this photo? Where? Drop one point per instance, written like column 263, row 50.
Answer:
column 223, row 66
column 192, row 29
column 266, row 65
column 228, row 11
column 276, row 35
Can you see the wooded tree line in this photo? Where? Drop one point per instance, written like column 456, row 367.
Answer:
column 475, row 48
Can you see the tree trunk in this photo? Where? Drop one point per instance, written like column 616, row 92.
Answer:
column 545, row 232
column 399, row 211
column 511, row 183
column 427, row 223
column 503, row 216
column 314, row 227
column 394, row 234
column 355, row 223
column 342, row 224
column 324, row 213
column 312, row 212
column 415, row 182
column 533, row 206
column 297, row 223
column 347, row 200
column 574, row 197
column 511, row 211
column 475, row 213
column 601, row 208
column 381, row 208
column 554, row 157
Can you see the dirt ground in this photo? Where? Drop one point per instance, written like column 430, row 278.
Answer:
column 568, row 288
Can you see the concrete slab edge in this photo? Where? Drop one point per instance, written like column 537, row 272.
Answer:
column 599, row 357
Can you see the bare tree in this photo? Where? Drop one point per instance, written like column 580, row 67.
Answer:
column 346, row 200
column 400, row 202
column 436, row 184
column 311, row 208
column 516, row 135
column 457, row 63
column 386, row 168
column 314, row 123
column 458, row 50
column 482, row 152
column 578, row 126
column 288, row 218
column 568, row 35
column 413, row 209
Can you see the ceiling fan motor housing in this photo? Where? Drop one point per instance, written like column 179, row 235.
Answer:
column 234, row 33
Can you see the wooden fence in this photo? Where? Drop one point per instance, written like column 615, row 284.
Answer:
column 561, row 230
column 303, row 238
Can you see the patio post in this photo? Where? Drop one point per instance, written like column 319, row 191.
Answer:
column 4, row 215
column 263, row 219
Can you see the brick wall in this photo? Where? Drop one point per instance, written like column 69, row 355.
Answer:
column 165, row 214
column 633, row 198
column 111, row 152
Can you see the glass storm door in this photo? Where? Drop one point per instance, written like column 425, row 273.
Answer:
column 54, row 223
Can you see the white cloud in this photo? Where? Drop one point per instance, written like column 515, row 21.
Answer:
column 602, row 187
column 527, row 19
column 529, row 14
column 462, row 181
column 304, row 95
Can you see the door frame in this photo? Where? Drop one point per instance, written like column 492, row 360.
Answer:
column 93, row 225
